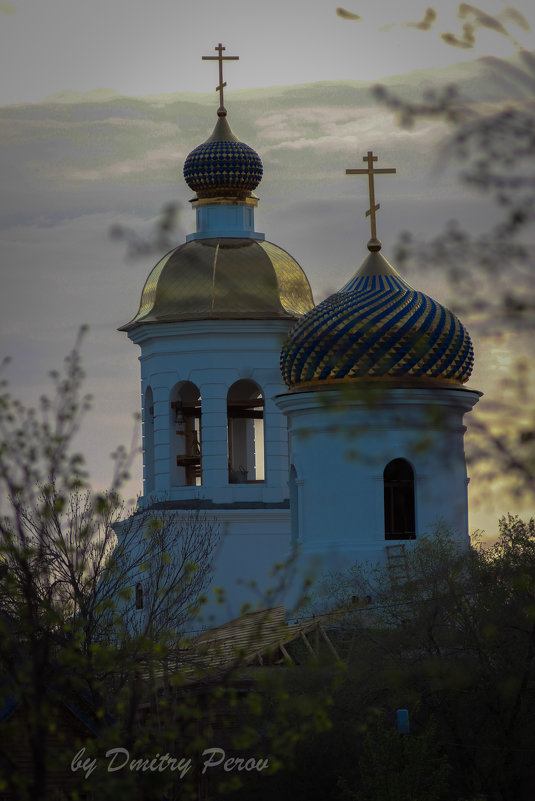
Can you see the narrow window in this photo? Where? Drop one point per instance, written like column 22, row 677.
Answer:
column 185, row 435
column 148, row 440
column 245, row 418
column 139, row 596
column 398, row 479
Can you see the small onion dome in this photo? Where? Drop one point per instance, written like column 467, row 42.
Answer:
column 238, row 279
column 377, row 326
column 223, row 166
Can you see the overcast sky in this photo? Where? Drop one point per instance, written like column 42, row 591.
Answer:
column 71, row 170
column 140, row 47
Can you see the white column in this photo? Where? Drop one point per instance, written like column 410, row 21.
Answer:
column 275, row 448
column 160, row 392
column 214, row 436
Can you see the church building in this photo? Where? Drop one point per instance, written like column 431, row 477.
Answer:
column 337, row 427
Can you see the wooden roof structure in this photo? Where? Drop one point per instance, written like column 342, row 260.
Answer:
column 265, row 638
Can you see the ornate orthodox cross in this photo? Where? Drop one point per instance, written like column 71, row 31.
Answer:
column 221, row 58
column 370, row 172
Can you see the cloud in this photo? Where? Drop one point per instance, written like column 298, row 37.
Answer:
column 335, row 130
column 165, row 157
column 31, row 130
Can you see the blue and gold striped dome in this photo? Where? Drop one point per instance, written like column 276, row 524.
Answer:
column 223, row 166
column 377, row 326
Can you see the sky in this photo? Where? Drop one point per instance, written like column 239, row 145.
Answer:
column 74, row 164
column 137, row 47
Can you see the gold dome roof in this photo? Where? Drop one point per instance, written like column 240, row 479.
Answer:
column 224, row 278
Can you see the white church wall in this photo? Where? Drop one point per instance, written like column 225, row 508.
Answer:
column 251, row 542
column 340, row 450
column 214, row 355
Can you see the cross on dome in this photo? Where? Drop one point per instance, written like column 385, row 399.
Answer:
column 374, row 244
column 222, row 166
column 220, row 58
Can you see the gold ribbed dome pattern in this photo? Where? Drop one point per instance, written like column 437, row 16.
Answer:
column 224, row 279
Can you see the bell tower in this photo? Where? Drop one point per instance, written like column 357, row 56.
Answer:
column 213, row 315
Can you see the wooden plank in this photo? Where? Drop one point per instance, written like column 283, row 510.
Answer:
column 329, row 643
column 308, row 645
column 285, row 653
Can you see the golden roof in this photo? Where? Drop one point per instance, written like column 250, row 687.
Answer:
column 224, row 278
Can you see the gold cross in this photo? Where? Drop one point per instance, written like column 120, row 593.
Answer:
column 221, row 58
column 370, row 172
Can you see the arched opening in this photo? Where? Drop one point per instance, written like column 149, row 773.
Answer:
column 148, row 440
column 185, row 436
column 139, row 596
column 398, row 479
column 245, row 419
column 294, row 504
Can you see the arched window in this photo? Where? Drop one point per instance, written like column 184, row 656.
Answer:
column 398, row 479
column 185, row 438
column 139, row 596
column 148, row 440
column 245, row 418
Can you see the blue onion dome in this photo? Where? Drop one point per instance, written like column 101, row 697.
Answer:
column 223, row 166
column 377, row 327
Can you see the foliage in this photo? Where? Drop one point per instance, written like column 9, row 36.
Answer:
column 85, row 670
column 160, row 239
column 489, row 274
column 398, row 767
column 451, row 638
column 69, row 630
